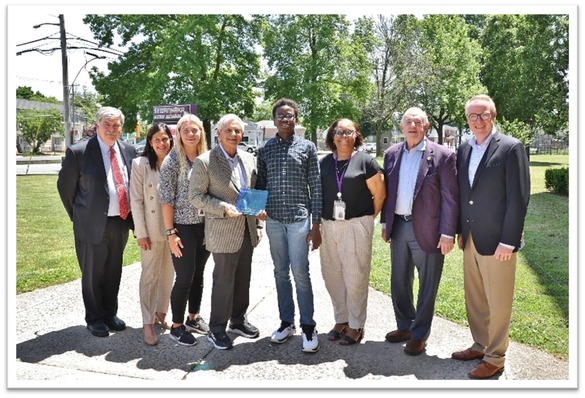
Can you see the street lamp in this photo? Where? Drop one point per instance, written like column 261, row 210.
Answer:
column 95, row 56
column 61, row 25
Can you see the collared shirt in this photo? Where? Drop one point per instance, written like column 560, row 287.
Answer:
column 409, row 165
column 289, row 170
column 237, row 168
column 114, row 207
column 477, row 152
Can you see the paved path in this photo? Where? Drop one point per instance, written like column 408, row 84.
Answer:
column 53, row 349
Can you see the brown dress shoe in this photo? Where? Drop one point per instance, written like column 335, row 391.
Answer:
column 159, row 319
column 485, row 370
column 467, row 355
column 398, row 336
column 415, row 347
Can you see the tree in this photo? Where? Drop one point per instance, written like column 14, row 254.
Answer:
column 38, row 126
column 209, row 60
column 25, row 92
column 308, row 60
column 395, row 63
column 85, row 104
column 525, row 67
column 453, row 77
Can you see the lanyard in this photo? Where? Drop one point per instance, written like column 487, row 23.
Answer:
column 338, row 177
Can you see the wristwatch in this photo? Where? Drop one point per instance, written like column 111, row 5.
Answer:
column 172, row 231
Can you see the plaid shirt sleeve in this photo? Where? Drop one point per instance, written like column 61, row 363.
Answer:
column 314, row 180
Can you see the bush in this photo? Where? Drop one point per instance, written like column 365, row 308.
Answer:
column 557, row 180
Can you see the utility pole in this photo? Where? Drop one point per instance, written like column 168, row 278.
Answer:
column 65, row 80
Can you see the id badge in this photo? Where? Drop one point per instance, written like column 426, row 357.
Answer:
column 339, row 210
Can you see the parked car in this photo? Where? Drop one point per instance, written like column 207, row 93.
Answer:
column 248, row 147
column 370, row 147
column 139, row 147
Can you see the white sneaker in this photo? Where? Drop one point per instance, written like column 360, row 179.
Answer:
column 282, row 333
column 310, row 341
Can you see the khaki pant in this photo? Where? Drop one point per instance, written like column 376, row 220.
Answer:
column 346, row 254
column 156, row 280
column 489, row 294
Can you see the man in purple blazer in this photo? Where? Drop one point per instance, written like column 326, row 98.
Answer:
column 419, row 219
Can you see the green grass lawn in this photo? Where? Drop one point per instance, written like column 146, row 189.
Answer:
column 45, row 253
column 45, row 256
column 540, row 315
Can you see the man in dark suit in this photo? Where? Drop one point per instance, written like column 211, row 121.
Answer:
column 494, row 184
column 93, row 185
column 419, row 219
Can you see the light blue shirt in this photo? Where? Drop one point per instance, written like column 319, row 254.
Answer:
column 477, row 152
column 409, row 165
column 236, row 166
column 114, row 208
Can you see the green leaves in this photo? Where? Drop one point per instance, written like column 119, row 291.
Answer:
column 525, row 67
column 38, row 126
column 311, row 59
column 210, row 60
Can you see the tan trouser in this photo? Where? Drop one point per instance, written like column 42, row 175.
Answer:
column 346, row 254
column 489, row 294
column 156, row 280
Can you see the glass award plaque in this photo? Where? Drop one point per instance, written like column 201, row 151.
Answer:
column 251, row 201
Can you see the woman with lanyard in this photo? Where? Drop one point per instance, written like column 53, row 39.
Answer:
column 353, row 194
column 184, row 229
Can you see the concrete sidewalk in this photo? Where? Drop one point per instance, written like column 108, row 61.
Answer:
column 53, row 349
column 42, row 159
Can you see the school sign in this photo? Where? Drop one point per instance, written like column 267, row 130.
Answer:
column 170, row 114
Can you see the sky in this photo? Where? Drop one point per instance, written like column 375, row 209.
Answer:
column 44, row 72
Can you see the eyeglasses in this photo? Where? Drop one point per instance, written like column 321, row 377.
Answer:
column 417, row 123
column 344, row 133
column 481, row 116
column 288, row 116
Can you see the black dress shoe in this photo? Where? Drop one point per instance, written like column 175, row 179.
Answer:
column 115, row 323
column 98, row 329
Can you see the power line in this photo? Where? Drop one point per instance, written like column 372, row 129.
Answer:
column 34, row 41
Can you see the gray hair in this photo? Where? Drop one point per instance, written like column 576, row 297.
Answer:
column 485, row 98
column 226, row 119
column 418, row 111
column 109, row 113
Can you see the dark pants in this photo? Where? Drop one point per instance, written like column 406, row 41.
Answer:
column 189, row 271
column 230, row 295
column 406, row 254
column 101, row 270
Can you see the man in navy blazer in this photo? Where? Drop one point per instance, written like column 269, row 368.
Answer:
column 494, row 184
column 88, row 191
column 419, row 219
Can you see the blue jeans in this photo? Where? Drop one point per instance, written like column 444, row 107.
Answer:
column 290, row 251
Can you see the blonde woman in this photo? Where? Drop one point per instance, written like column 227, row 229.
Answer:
column 184, row 229
column 156, row 279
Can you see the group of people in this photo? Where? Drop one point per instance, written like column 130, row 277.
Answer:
column 180, row 198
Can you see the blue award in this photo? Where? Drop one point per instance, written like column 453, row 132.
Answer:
column 251, row 201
